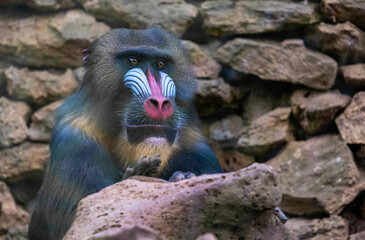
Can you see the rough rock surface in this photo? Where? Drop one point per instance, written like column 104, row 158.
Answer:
column 315, row 111
column 344, row 41
column 203, row 64
column 226, row 131
column 173, row 15
column 42, row 122
column 317, row 176
column 289, row 61
column 334, row 228
column 351, row 122
column 3, row 67
column 23, row 162
column 354, row 74
column 39, row 87
column 342, row 10
column 55, row 40
column 13, row 122
column 213, row 93
column 231, row 160
column 41, row 5
column 244, row 17
column 132, row 233
column 18, row 232
column 357, row 236
column 240, row 203
column 266, row 134
column 10, row 214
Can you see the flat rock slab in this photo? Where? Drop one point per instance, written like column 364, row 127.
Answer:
column 334, row 227
column 244, row 17
column 316, row 111
column 317, row 176
column 351, row 122
column 354, row 74
column 288, row 61
column 173, row 15
column 232, row 206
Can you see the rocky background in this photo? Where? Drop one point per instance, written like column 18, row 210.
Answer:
column 280, row 82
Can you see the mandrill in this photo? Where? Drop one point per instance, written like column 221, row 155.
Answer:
column 133, row 115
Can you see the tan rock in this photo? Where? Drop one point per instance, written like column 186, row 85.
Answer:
column 342, row 10
column 344, row 41
column 289, row 61
column 240, row 203
column 354, row 74
column 13, row 122
column 317, row 176
column 50, row 40
column 203, row 64
column 39, row 87
column 351, row 122
column 10, row 214
column 43, row 122
column 24, row 162
column 315, row 111
column 232, row 160
column 41, row 5
column 267, row 134
column 357, row 236
column 244, row 17
column 226, row 131
column 173, row 15
column 334, row 228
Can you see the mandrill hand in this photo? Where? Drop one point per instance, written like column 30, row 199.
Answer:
column 144, row 167
column 178, row 176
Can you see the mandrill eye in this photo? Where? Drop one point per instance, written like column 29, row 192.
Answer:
column 133, row 61
column 160, row 64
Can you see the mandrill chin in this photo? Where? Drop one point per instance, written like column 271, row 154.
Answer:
column 133, row 115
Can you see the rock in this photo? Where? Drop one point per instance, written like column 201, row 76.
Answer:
column 343, row 10
column 226, row 131
column 267, row 134
column 357, row 236
column 41, row 5
column 240, row 203
column 247, row 17
column 334, row 228
column 133, row 233
column 213, row 93
column 11, row 215
column 315, row 111
column 289, row 61
column 13, row 122
column 3, row 67
column 353, row 213
column 24, row 162
column 16, row 233
column 343, row 41
column 351, row 122
column 40, row 87
column 232, row 160
column 317, row 176
column 203, row 64
column 50, row 40
column 173, row 15
column 207, row 236
column 354, row 74
column 42, row 122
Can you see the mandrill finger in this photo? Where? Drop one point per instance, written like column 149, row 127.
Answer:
column 127, row 173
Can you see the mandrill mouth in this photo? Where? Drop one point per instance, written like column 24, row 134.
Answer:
column 138, row 133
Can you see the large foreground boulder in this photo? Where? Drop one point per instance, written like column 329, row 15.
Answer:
column 231, row 206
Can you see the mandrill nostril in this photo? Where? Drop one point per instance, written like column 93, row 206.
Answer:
column 154, row 102
column 158, row 107
column 165, row 103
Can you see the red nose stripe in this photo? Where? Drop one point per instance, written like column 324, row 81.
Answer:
column 155, row 88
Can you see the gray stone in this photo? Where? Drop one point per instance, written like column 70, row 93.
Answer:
column 42, row 122
column 226, row 131
column 39, row 87
column 354, row 74
column 267, row 134
column 11, row 215
column 203, row 64
column 357, row 236
column 332, row 228
column 19, row 232
column 173, row 15
column 41, row 5
column 317, row 176
column 50, row 40
column 3, row 67
column 342, row 10
column 24, row 162
column 289, row 61
column 351, row 122
column 247, row 17
column 315, row 111
column 240, row 203
column 13, row 122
